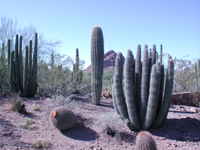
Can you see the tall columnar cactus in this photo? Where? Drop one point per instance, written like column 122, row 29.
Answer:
column 77, row 60
column 145, row 141
column 9, row 53
column 146, row 100
column 24, row 82
column 97, row 57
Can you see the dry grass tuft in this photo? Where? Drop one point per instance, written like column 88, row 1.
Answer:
column 40, row 143
column 37, row 107
column 28, row 124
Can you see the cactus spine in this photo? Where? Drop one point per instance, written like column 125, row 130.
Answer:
column 145, row 141
column 144, row 88
column 97, row 56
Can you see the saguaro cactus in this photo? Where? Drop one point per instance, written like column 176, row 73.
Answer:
column 97, row 56
column 146, row 104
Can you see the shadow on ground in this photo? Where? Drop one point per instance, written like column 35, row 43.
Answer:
column 80, row 132
column 186, row 129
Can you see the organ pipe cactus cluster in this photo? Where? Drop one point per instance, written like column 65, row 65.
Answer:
column 24, row 82
column 97, row 57
column 145, row 100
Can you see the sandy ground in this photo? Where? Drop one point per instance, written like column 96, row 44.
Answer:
column 181, row 130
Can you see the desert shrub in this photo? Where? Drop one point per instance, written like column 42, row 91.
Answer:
column 107, row 80
column 184, row 76
column 16, row 103
column 40, row 143
column 4, row 72
column 85, row 85
column 111, row 124
column 28, row 124
column 52, row 81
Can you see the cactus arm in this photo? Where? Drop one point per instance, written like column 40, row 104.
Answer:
column 26, row 73
column 144, row 85
column 97, row 57
column 33, row 84
column 167, row 94
column 161, row 54
column 120, row 101
column 154, row 54
column 114, row 100
column 30, row 62
column 152, row 101
column 77, row 60
column 162, row 74
column 20, row 64
column 130, row 90
column 138, row 71
column 9, row 54
column 17, row 75
column 12, row 70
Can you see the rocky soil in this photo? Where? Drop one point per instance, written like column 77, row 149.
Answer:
column 180, row 131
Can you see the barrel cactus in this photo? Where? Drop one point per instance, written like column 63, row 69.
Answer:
column 97, row 57
column 144, row 141
column 144, row 102
column 62, row 118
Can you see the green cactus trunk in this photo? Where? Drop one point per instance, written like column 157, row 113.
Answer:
column 20, row 64
column 9, row 55
column 17, row 73
column 12, row 71
column 97, row 57
column 26, row 73
column 33, row 83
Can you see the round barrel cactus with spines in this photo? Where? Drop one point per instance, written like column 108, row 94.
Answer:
column 62, row 118
column 144, row 141
column 97, row 57
column 144, row 102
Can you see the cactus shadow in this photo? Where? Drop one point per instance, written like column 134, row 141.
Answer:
column 185, row 129
column 81, row 132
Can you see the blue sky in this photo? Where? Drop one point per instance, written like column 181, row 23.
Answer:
column 125, row 24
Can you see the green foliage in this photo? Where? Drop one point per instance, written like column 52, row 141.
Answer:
column 97, row 56
column 107, row 80
column 145, row 141
column 62, row 118
column 16, row 103
column 4, row 72
column 52, row 81
column 185, row 76
column 143, row 105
